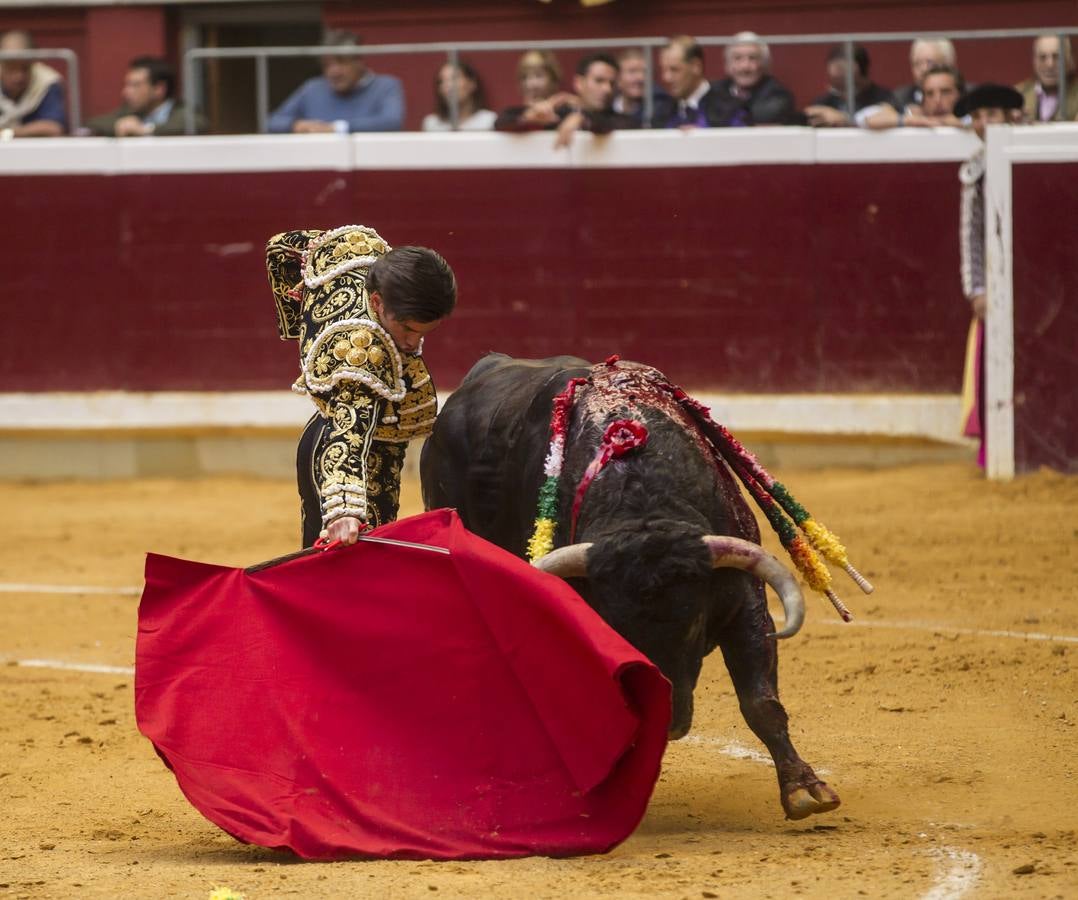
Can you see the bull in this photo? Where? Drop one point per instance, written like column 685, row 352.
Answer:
column 662, row 544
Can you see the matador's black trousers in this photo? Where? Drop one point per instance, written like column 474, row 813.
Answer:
column 383, row 468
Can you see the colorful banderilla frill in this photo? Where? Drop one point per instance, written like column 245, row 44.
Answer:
column 780, row 508
column 546, row 518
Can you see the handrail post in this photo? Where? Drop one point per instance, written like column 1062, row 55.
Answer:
column 262, row 91
column 189, row 59
column 1061, row 62
column 74, row 97
column 648, row 109
column 453, row 60
column 851, row 91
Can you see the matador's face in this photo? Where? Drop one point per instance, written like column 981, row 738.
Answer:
column 407, row 334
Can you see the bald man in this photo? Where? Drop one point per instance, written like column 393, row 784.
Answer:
column 31, row 93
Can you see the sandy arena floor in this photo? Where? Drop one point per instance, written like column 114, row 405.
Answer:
column 945, row 717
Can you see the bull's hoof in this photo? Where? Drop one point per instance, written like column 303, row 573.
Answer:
column 804, row 801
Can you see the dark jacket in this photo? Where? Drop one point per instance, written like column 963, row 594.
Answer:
column 908, row 95
column 872, row 95
column 713, row 111
column 511, row 119
column 769, row 103
column 105, row 125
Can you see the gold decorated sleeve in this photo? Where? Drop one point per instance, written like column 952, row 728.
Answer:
column 343, row 456
column 283, row 266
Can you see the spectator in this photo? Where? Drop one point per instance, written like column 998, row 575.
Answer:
column 595, row 83
column 539, row 76
column 749, row 82
column 924, row 55
column 348, row 97
column 941, row 89
column 830, row 109
column 632, row 82
column 988, row 104
column 692, row 100
column 1040, row 94
column 31, row 93
column 472, row 114
column 149, row 106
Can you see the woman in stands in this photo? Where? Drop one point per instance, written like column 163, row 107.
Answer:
column 539, row 77
column 472, row 114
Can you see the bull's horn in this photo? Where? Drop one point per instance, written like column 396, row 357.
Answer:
column 566, row 562
column 734, row 553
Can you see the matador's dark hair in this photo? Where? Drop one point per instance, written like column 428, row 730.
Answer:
column 416, row 284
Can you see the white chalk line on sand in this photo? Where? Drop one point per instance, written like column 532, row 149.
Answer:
column 735, row 749
column 15, row 588
column 958, row 871
column 728, row 748
column 955, row 629
column 95, row 668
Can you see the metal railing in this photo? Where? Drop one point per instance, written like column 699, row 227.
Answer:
column 74, row 105
column 262, row 55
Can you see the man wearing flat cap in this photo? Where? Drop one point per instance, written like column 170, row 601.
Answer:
column 987, row 104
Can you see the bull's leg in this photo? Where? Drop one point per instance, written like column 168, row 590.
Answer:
column 752, row 660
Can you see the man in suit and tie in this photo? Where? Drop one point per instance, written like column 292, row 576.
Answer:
column 692, row 102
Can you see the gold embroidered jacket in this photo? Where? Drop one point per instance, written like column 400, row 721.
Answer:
column 375, row 398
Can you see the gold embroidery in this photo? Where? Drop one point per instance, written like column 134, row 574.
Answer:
column 342, row 300
column 283, row 260
column 351, row 371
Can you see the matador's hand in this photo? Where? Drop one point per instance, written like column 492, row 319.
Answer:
column 346, row 529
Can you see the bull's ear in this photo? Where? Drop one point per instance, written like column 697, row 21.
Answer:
column 284, row 253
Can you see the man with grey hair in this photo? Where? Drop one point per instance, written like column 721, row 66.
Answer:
column 749, row 83
column 348, row 97
column 925, row 54
column 31, row 93
column 1040, row 94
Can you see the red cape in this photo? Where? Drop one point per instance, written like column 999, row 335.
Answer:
column 390, row 701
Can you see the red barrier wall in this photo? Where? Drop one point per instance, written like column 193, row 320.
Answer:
column 1045, row 316
column 747, row 278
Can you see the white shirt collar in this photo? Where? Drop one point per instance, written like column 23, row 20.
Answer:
column 696, row 96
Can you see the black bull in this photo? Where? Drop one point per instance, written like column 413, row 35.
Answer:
column 649, row 574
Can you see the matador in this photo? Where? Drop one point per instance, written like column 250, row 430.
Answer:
column 359, row 310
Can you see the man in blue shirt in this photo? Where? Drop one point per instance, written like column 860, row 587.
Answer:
column 31, row 94
column 348, row 97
